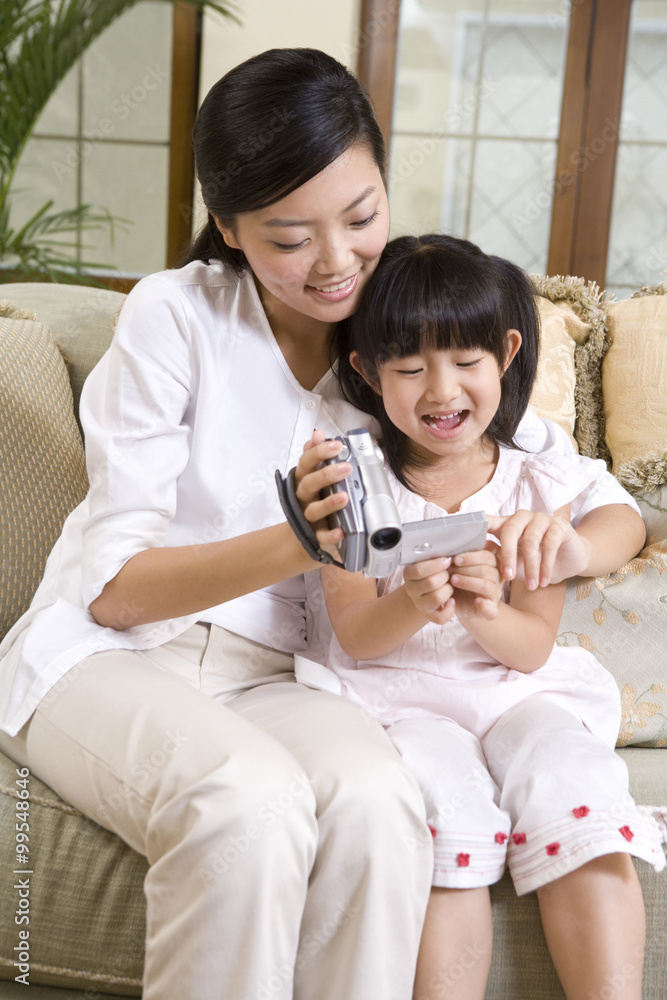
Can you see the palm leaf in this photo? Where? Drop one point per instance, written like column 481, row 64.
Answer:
column 40, row 41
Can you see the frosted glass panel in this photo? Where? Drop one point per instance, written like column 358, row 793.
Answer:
column 132, row 182
column 638, row 237
column 103, row 139
column 476, row 120
column 127, row 76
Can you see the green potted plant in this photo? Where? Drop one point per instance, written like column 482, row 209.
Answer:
column 40, row 40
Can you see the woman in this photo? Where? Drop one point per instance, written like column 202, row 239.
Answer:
column 287, row 844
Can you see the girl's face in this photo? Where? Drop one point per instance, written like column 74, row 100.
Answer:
column 443, row 400
column 313, row 251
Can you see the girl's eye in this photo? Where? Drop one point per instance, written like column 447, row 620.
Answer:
column 366, row 222
column 409, row 371
column 468, row 364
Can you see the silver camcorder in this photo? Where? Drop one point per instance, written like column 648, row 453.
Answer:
column 375, row 539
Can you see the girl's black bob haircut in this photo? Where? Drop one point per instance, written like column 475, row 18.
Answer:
column 440, row 292
column 268, row 126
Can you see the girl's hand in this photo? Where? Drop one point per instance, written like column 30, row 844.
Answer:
column 544, row 549
column 310, row 479
column 427, row 585
column 477, row 583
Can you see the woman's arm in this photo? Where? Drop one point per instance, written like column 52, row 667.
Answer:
column 169, row 582
column 553, row 550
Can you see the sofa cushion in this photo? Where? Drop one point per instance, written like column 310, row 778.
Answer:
column 87, row 907
column 553, row 392
column 42, row 465
column 82, row 320
column 622, row 620
column 634, row 378
column 573, row 323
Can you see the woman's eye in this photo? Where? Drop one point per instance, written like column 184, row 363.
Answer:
column 289, row 246
column 366, row 222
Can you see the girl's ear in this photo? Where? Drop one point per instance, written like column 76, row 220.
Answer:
column 512, row 345
column 355, row 361
column 227, row 233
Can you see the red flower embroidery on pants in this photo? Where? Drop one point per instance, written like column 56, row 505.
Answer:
column 501, row 838
column 626, row 832
column 519, row 838
column 553, row 848
column 463, row 860
column 581, row 812
column 432, row 829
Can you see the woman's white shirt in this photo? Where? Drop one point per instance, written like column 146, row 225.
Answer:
column 186, row 417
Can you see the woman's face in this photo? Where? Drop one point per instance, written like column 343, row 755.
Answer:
column 313, row 251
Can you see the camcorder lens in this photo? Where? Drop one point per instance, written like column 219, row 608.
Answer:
column 385, row 538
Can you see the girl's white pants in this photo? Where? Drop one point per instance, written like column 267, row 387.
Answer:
column 537, row 791
column 288, row 850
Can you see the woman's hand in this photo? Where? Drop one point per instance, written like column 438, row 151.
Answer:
column 544, row 549
column 311, row 477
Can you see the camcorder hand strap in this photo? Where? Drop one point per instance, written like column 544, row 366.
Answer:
column 296, row 520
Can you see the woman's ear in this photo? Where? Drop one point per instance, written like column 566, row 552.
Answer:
column 512, row 345
column 227, row 233
column 355, row 361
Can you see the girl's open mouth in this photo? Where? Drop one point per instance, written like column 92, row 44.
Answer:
column 445, row 424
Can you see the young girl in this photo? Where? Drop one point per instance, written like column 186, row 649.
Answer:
column 511, row 739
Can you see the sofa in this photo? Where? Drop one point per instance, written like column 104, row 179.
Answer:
column 602, row 377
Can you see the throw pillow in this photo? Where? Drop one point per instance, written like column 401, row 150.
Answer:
column 622, row 620
column 634, row 377
column 42, row 465
column 81, row 318
column 575, row 312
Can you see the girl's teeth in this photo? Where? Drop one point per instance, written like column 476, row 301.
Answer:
column 436, row 420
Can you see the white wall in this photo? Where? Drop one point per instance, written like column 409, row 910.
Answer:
column 268, row 24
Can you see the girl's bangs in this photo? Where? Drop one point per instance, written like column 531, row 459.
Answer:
column 425, row 309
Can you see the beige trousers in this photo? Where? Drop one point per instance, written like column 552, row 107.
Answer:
column 288, row 851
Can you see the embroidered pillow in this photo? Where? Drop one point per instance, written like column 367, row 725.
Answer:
column 622, row 620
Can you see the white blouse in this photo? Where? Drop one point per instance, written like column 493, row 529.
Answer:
column 186, row 419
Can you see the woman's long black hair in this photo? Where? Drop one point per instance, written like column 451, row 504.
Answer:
column 268, row 126
column 440, row 292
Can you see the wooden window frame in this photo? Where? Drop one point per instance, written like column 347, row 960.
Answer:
column 590, row 121
column 588, row 139
column 185, row 64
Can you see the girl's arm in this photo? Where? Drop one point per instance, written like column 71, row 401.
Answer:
column 169, row 582
column 523, row 634
column 368, row 626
